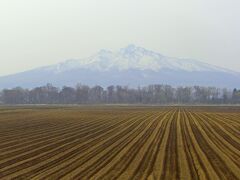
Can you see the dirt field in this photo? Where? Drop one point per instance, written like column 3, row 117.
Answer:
column 120, row 143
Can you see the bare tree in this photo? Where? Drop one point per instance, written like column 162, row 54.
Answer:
column 152, row 94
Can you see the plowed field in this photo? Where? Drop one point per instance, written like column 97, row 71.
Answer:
column 120, row 143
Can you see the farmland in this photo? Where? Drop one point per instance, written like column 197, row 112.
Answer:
column 113, row 142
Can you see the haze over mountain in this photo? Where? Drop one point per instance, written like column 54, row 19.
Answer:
column 131, row 66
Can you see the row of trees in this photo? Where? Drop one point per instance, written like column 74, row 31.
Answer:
column 152, row 94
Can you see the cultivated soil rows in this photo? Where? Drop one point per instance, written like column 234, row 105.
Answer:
column 120, row 143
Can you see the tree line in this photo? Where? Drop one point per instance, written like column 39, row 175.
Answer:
column 152, row 94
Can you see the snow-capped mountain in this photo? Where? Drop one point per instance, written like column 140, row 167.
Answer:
column 132, row 57
column 129, row 66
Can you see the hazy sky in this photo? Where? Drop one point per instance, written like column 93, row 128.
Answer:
column 41, row 32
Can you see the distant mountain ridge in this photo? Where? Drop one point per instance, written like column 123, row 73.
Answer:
column 131, row 66
column 133, row 57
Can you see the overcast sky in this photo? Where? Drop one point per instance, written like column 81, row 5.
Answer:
column 41, row 32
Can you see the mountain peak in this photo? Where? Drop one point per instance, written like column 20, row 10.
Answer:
column 130, row 65
column 131, row 48
column 134, row 57
column 104, row 51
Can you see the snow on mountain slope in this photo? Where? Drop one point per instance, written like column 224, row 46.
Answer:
column 133, row 57
column 131, row 66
